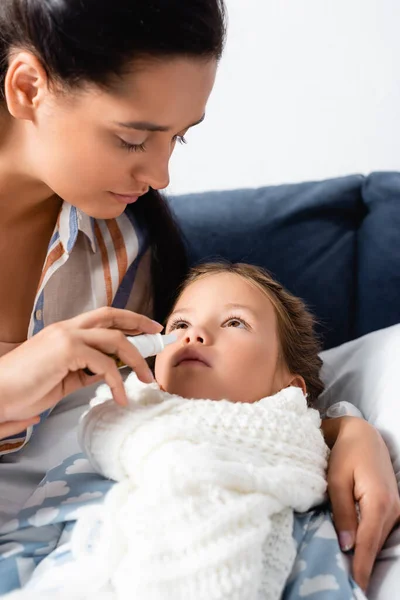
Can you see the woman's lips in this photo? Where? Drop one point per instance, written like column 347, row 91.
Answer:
column 125, row 198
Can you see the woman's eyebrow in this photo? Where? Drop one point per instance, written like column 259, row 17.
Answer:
column 147, row 126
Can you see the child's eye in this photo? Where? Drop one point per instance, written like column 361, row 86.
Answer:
column 236, row 322
column 178, row 324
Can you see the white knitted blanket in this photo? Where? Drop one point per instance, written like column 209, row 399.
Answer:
column 204, row 505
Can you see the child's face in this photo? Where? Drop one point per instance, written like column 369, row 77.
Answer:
column 227, row 346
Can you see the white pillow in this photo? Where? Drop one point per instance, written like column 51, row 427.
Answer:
column 366, row 373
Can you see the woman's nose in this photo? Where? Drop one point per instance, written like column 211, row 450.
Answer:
column 155, row 173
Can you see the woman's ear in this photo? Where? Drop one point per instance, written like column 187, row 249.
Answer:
column 298, row 381
column 25, row 85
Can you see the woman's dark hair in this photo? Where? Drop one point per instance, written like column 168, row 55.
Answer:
column 169, row 263
column 97, row 41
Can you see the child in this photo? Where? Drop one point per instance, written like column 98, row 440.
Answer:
column 212, row 460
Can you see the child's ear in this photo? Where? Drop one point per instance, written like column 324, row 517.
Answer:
column 298, row 381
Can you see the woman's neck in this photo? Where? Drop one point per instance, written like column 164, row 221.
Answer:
column 22, row 194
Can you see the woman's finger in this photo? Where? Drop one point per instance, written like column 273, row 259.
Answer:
column 114, row 342
column 116, row 318
column 344, row 511
column 103, row 365
column 14, row 427
column 368, row 541
column 379, row 514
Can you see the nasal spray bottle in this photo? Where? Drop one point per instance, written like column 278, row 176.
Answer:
column 147, row 345
column 151, row 344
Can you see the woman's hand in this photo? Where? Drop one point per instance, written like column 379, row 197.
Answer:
column 360, row 470
column 35, row 376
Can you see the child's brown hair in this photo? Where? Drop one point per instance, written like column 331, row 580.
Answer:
column 298, row 342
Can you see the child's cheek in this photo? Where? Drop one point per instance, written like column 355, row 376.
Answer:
column 163, row 364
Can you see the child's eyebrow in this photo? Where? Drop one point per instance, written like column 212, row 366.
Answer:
column 232, row 306
column 235, row 305
column 229, row 306
column 178, row 311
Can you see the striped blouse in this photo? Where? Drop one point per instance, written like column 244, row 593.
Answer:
column 90, row 263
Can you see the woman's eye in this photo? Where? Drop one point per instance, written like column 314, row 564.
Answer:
column 132, row 147
column 180, row 139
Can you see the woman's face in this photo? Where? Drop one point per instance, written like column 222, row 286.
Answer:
column 100, row 150
column 228, row 343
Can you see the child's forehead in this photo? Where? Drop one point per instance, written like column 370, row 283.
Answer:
column 223, row 288
column 224, row 281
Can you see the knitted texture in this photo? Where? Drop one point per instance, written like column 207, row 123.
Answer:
column 204, row 505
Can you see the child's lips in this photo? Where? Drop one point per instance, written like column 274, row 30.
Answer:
column 192, row 361
column 191, row 356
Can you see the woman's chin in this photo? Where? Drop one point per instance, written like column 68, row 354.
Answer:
column 101, row 210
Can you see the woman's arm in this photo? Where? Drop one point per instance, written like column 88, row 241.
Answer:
column 360, row 471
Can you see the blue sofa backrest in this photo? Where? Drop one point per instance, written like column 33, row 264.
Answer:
column 335, row 243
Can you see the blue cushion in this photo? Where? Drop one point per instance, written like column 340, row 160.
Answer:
column 304, row 234
column 378, row 287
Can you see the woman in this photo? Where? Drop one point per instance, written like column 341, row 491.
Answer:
column 95, row 96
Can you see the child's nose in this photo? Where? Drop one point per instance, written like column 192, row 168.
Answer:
column 191, row 339
column 196, row 335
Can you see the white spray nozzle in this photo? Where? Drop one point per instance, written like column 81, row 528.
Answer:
column 152, row 344
column 169, row 338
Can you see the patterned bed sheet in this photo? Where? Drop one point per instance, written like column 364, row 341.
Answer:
column 38, row 538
